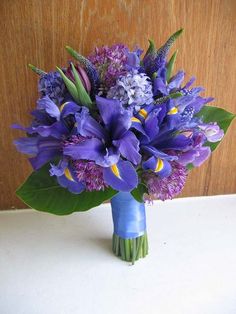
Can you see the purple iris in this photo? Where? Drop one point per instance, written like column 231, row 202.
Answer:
column 106, row 142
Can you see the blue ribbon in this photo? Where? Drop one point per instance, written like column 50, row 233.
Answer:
column 128, row 216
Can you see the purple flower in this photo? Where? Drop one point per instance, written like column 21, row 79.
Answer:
column 110, row 63
column 212, row 132
column 132, row 89
column 167, row 187
column 90, row 174
column 106, row 143
column 52, row 85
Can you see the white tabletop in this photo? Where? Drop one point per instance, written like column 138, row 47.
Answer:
column 64, row 265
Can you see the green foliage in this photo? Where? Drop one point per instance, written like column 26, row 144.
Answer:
column 138, row 192
column 83, row 96
column 170, row 66
column 42, row 192
column 76, row 89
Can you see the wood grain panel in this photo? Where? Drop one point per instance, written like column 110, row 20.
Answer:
column 37, row 31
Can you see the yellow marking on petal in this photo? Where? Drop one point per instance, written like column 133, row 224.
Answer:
column 116, row 171
column 159, row 165
column 143, row 113
column 68, row 174
column 133, row 119
column 63, row 106
column 173, row 110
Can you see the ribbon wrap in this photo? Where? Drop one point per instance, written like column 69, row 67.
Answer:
column 128, row 216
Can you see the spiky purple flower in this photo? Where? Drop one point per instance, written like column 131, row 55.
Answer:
column 90, row 174
column 110, row 63
column 167, row 187
column 52, row 85
column 132, row 88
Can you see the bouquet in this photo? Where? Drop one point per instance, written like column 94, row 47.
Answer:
column 117, row 125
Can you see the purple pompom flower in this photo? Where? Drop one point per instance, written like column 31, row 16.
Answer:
column 90, row 174
column 110, row 63
column 167, row 187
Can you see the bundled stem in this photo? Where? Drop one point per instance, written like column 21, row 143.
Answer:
column 130, row 250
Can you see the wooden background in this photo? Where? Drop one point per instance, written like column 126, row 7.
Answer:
column 36, row 31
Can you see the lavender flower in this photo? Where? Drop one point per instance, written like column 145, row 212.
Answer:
column 52, row 85
column 167, row 187
column 110, row 63
column 132, row 88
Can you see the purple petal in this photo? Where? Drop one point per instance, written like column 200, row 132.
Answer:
column 48, row 149
column 88, row 126
column 203, row 154
column 48, row 105
column 178, row 142
column 186, row 158
column 212, row 132
column 176, row 80
column 159, row 87
column 68, row 108
column 27, row 145
column 161, row 167
column 157, row 153
column 109, row 109
column 121, row 176
column 128, row 146
column 69, row 182
column 59, row 169
column 90, row 149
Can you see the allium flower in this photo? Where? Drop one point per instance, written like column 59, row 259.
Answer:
column 90, row 174
column 133, row 88
column 110, row 63
column 52, row 85
column 167, row 187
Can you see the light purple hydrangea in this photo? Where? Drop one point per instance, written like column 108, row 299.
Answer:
column 132, row 89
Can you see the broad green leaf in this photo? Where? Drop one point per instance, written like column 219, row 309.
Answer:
column 83, row 96
column 139, row 191
column 36, row 70
column 170, row 66
column 213, row 114
column 42, row 192
column 70, row 85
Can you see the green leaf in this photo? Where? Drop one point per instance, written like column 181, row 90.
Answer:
column 213, row 114
column 42, row 192
column 139, row 191
column 70, row 85
column 190, row 166
column 83, row 96
column 151, row 48
column 36, row 70
column 170, row 66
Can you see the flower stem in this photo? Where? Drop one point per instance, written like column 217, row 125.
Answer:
column 130, row 250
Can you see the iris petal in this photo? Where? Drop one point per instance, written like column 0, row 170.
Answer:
column 121, row 176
